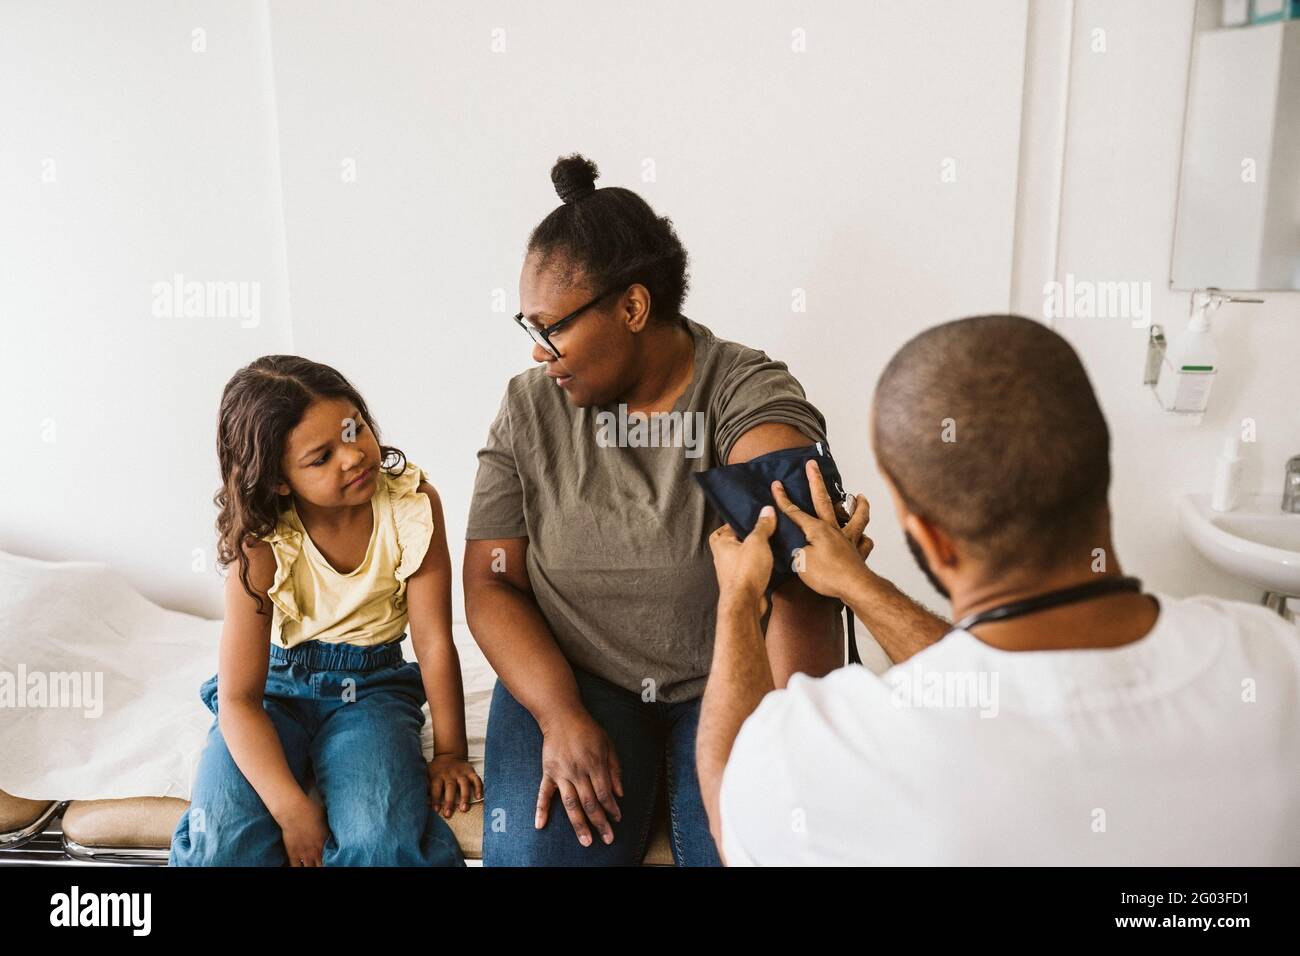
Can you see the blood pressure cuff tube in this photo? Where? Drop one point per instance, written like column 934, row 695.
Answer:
column 739, row 492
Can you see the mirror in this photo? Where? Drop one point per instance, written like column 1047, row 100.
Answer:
column 1238, row 216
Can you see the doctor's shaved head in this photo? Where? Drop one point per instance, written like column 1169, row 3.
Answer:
column 989, row 429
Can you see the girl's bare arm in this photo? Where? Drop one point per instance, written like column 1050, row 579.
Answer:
column 428, row 604
column 241, row 684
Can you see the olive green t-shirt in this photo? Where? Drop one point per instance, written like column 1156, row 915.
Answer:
column 617, row 528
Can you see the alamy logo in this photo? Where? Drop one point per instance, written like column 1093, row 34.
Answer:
column 656, row 430
column 918, row 687
column 180, row 299
column 42, row 689
column 75, row 908
column 1085, row 299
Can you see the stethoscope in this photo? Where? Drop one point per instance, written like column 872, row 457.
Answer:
column 1041, row 602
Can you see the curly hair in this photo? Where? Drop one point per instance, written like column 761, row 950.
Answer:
column 611, row 236
column 260, row 405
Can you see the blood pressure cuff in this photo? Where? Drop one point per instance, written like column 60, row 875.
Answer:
column 739, row 492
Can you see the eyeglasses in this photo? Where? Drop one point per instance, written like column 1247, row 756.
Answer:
column 542, row 334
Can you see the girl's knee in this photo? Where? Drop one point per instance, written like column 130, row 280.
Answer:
column 380, row 842
column 228, row 839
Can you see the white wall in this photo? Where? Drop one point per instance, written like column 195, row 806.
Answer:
column 1117, row 224
column 819, row 170
column 163, row 161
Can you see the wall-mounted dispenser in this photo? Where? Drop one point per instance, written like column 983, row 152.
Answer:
column 1182, row 380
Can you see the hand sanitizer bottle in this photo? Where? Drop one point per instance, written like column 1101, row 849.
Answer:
column 1227, row 475
column 1187, row 375
column 1185, row 385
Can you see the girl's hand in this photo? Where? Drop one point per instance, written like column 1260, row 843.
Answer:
column 305, row 831
column 453, row 784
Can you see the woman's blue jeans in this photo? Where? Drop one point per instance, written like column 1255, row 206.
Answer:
column 352, row 715
column 655, row 743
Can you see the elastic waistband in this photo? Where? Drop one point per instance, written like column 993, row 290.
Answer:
column 320, row 656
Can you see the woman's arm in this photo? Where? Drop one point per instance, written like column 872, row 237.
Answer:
column 250, row 736
column 508, row 625
column 803, row 631
column 578, row 758
column 428, row 601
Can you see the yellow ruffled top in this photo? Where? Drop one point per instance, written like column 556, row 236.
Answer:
column 367, row 606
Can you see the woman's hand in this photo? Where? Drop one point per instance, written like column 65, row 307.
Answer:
column 578, row 761
column 305, row 831
column 744, row 567
column 453, row 783
column 834, row 558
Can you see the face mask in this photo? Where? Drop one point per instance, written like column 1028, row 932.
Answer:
column 924, row 565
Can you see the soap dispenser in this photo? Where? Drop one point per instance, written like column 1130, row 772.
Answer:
column 1188, row 374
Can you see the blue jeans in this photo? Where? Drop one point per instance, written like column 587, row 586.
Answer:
column 352, row 716
column 654, row 742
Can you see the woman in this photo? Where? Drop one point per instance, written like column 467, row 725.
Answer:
column 588, row 578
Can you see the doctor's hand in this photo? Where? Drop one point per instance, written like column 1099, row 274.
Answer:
column 834, row 559
column 744, row 567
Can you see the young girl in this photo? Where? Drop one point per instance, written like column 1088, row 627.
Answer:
column 339, row 542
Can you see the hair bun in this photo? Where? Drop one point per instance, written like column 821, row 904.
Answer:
column 574, row 177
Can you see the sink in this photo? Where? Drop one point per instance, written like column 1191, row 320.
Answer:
column 1258, row 542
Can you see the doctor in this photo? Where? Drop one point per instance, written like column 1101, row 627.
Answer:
column 1129, row 728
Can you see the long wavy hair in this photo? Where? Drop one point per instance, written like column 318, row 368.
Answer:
column 260, row 405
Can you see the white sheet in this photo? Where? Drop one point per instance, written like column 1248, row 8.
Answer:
column 60, row 618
